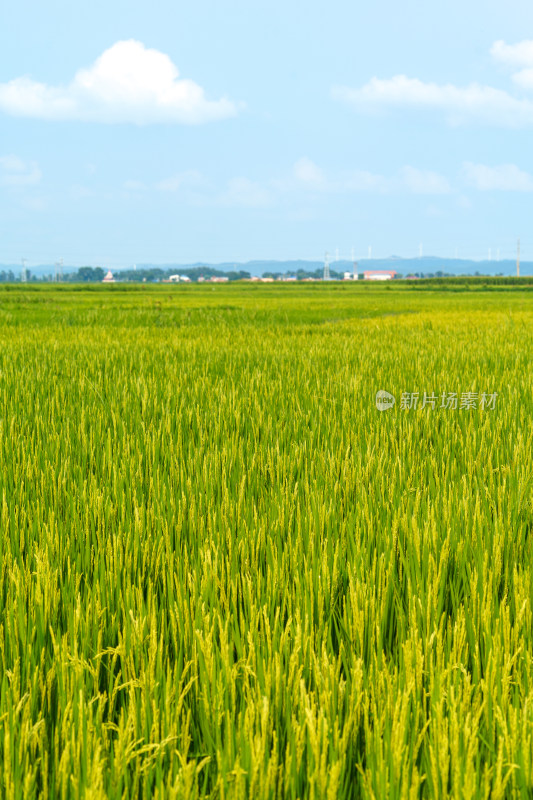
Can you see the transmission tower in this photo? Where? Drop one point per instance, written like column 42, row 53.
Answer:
column 326, row 276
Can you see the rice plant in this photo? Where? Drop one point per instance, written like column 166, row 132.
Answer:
column 226, row 574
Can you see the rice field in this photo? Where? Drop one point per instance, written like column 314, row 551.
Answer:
column 226, row 574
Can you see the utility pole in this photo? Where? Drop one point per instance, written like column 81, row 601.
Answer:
column 518, row 259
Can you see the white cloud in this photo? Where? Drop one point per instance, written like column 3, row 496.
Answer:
column 424, row 181
column 304, row 174
column 307, row 172
column 127, row 83
column 80, row 192
column 16, row 172
column 471, row 103
column 307, row 175
column 524, row 78
column 364, row 181
column 189, row 178
column 246, row 193
column 35, row 203
column 516, row 55
column 464, row 202
column 506, row 178
column 304, row 178
column 460, row 104
column 134, row 186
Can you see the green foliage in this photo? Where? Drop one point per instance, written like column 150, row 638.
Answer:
column 89, row 274
column 225, row 574
column 154, row 274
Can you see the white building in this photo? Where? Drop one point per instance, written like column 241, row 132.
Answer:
column 379, row 274
column 353, row 275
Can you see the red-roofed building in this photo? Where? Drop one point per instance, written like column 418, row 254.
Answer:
column 379, row 274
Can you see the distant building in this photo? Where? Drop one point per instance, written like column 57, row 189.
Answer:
column 108, row 278
column 353, row 275
column 379, row 274
column 178, row 279
column 219, row 279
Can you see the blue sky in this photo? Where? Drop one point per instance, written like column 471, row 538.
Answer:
column 178, row 132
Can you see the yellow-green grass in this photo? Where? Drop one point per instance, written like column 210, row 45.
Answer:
column 225, row 573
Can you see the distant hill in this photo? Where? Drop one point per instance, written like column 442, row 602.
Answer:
column 405, row 266
column 427, row 265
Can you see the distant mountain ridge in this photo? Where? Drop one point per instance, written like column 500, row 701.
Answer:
column 404, row 266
